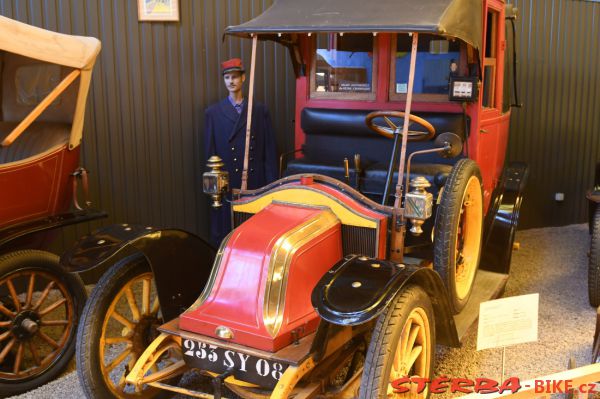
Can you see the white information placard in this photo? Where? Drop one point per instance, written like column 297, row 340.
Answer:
column 508, row 321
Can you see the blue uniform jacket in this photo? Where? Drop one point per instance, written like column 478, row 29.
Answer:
column 225, row 136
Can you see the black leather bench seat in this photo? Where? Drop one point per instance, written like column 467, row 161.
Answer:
column 36, row 139
column 373, row 177
column 335, row 134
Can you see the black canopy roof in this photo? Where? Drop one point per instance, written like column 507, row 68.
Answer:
column 452, row 18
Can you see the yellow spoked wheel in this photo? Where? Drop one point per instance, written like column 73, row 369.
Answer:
column 401, row 345
column 118, row 323
column 39, row 308
column 458, row 232
column 468, row 238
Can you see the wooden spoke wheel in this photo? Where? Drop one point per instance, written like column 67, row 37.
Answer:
column 117, row 325
column 594, row 261
column 39, row 308
column 402, row 344
column 468, row 237
column 458, row 232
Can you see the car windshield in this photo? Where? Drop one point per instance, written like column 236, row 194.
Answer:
column 437, row 59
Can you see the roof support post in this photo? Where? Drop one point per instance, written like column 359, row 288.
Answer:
column 411, row 80
column 249, row 120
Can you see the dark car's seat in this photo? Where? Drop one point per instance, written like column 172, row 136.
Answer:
column 334, row 134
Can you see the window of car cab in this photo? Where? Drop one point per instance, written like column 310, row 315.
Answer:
column 437, row 60
column 344, row 66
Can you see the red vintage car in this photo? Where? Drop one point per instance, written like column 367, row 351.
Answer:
column 44, row 82
column 392, row 222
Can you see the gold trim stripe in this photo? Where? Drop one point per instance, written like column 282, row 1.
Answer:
column 304, row 197
column 282, row 255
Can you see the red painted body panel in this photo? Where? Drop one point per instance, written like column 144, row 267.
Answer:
column 238, row 294
column 352, row 204
column 37, row 187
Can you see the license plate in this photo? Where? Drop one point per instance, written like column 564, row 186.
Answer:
column 253, row 369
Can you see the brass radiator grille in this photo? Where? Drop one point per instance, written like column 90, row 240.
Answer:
column 240, row 217
column 359, row 240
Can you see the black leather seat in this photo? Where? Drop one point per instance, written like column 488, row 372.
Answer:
column 333, row 134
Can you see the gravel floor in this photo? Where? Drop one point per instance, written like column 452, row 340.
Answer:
column 551, row 261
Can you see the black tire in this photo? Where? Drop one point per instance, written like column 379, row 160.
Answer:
column 413, row 304
column 55, row 294
column 96, row 321
column 458, row 232
column 594, row 262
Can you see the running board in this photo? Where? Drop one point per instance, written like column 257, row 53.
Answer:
column 487, row 286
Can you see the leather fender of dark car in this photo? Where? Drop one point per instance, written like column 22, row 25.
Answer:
column 181, row 261
column 374, row 284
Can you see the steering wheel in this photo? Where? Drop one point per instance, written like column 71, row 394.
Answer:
column 389, row 130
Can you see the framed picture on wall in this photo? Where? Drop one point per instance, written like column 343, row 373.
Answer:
column 158, row 10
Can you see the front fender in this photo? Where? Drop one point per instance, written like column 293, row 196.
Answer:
column 357, row 289
column 501, row 221
column 181, row 261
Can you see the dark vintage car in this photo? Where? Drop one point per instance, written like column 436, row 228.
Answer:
column 593, row 197
column 391, row 223
column 44, row 82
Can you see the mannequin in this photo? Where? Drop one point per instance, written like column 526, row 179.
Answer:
column 225, row 136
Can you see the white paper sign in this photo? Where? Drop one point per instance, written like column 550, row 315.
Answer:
column 463, row 89
column 402, row 88
column 508, row 321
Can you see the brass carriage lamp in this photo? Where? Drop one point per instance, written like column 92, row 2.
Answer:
column 216, row 181
column 418, row 204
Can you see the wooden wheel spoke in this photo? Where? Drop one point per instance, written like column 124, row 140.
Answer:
column 7, row 349
column 414, row 332
column 49, row 340
column 53, row 306
column 34, row 354
column 44, row 294
column 117, row 340
column 155, row 306
column 135, row 312
column 13, row 294
column 121, row 319
column 391, row 124
column 5, row 323
column 118, row 360
column 122, row 383
column 30, row 290
column 414, row 354
column 146, row 285
column 4, row 335
column 405, row 337
column 18, row 358
column 6, row 311
column 54, row 322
